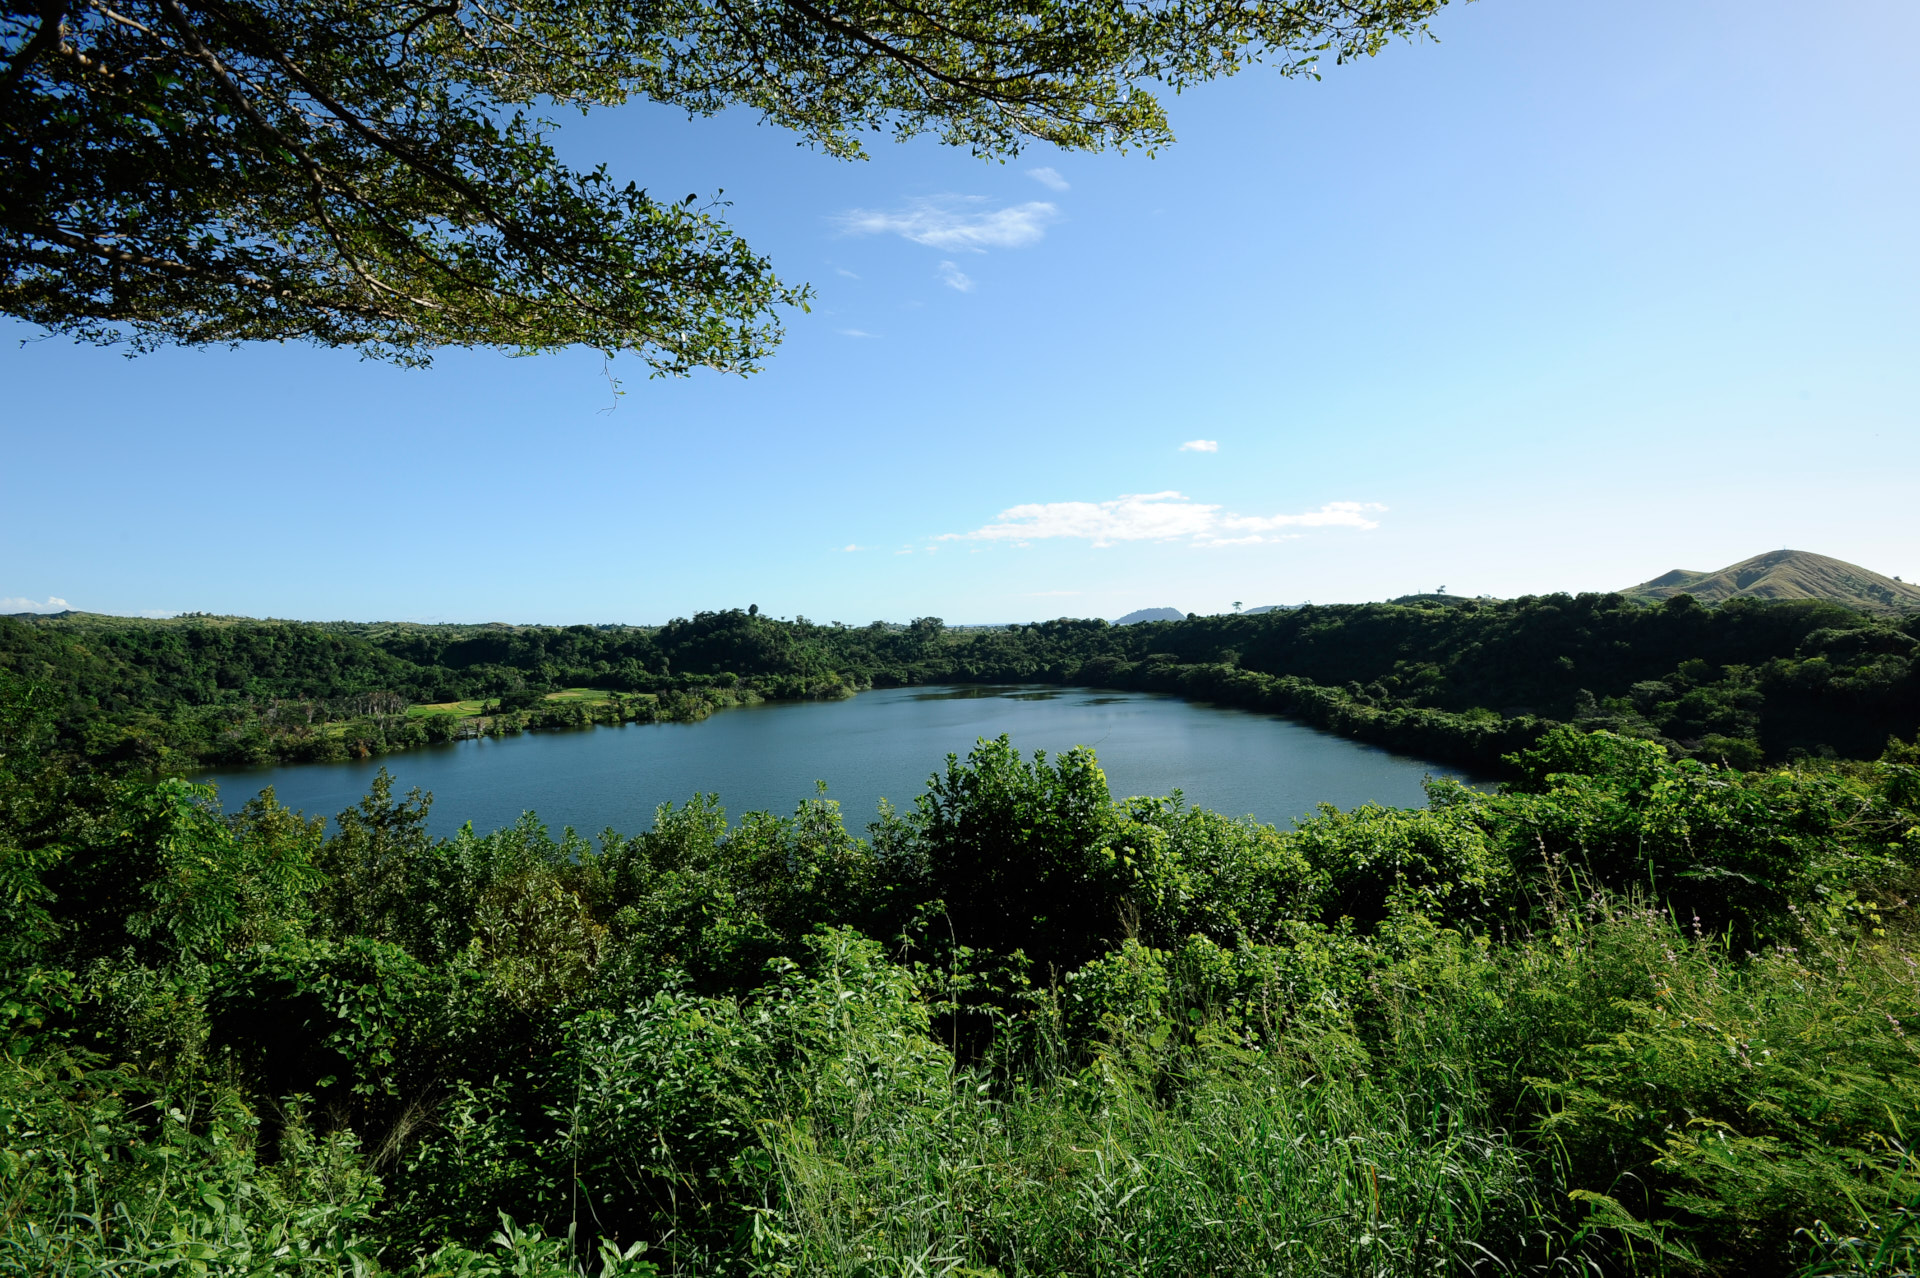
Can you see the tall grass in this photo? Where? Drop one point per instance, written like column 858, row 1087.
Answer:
column 1140, row 1042
column 1229, row 1162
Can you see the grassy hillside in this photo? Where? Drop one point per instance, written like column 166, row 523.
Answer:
column 1784, row 574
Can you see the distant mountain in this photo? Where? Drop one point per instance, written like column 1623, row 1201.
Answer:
column 1151, row 614
column 1271, row 608
column 1784, row 574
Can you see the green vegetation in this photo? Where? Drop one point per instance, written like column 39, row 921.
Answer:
column 383, row 176
column 1784, row 574
column 168, row 694
column 1465, row 681
column 1626, row 1016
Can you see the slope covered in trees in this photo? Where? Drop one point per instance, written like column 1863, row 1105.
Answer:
column 1626, row 1016
column 1461, row 680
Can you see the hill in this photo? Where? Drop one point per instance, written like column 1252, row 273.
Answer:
column 1784, row 574
column 1151, row 614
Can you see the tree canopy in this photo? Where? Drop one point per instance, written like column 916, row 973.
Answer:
column 377, row 176
column 1623, row 1016
column 1465, row 681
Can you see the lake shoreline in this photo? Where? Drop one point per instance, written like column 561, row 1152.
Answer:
column 882, row 744
column 1479, row 742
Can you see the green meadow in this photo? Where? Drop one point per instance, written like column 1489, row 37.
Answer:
column 474, row 707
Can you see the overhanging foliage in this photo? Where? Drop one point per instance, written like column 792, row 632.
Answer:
column 364, row 174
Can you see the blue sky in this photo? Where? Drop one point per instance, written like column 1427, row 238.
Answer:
column 1580, row 293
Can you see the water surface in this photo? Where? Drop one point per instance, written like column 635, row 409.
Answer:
column 878, row 745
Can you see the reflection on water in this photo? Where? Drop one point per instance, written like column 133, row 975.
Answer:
column 971, row 691
column 877, row 745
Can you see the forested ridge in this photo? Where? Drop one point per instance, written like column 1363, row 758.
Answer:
column 1628, row 1015
column 1466, row 681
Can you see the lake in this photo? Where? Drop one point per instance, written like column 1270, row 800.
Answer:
column 881, row 744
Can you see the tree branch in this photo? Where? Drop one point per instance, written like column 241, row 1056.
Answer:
column 53, row 15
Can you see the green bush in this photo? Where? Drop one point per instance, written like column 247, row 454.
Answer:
column 1626, row 1015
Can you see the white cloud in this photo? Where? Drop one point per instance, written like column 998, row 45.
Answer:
column 1048, row 594
column 1201, row 446
column 1134, row 517
column 1335, row 514
column 953, row 277
column 849, row 549
column 841, row 270
column 956, row 223
column 1049, row 178
column 52, row 604
column 1164, row 516
column 1253, row 539
column 852, row 332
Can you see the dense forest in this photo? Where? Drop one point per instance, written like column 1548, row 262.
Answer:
column 1627, row 1015
column 1465, row 681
